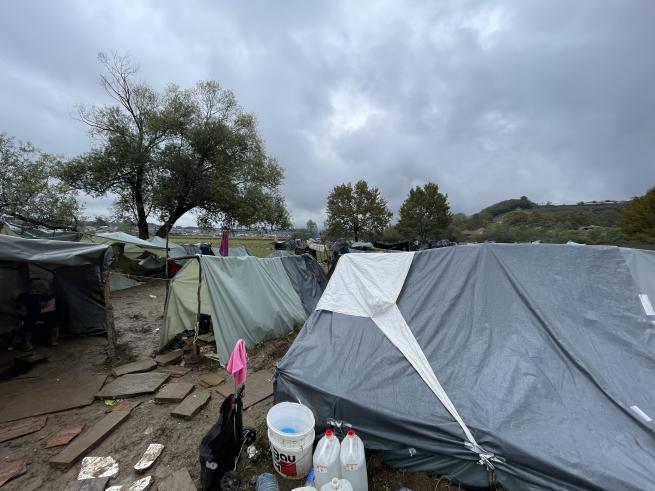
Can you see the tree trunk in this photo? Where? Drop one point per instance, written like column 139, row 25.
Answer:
column 173, row 217
column 142, row 218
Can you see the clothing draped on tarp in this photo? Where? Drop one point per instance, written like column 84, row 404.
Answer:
column 247, row 297
column 545, row 352
column 224, row 247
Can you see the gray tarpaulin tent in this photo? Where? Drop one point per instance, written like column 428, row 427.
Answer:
column 536, row 360
column 72, row 270
column 246, row 297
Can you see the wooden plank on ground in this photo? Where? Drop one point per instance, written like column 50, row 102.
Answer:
column 174, row 371
column 125, row 405
column 132, row 384
column 134, row 367
column 212, row 379
column 169, row 358
column 175, row 392
column 259, row 386
column 9, row 431
column 88, row 440
column 178, row 481
column 64, row 436
column 9, row 470
column 48, row 394
column 191, row 405
column 96, row 484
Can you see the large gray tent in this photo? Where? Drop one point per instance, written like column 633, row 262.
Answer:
column 535, row 362
column 72, row 269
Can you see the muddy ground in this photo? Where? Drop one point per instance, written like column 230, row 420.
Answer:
column 138, row 314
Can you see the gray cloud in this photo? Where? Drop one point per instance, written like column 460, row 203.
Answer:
column 552, row 100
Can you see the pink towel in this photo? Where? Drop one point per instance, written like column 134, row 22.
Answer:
column 238, row 363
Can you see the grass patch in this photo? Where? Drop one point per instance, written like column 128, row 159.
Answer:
column 259, row 247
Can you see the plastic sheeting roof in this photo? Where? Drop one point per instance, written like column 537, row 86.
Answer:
column 546, row 351
column 54, row 252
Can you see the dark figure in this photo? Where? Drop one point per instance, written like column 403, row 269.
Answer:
column 37, row 309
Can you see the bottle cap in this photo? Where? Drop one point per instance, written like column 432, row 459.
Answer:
column 335, row 483
column 329, row 433
column 350, row 434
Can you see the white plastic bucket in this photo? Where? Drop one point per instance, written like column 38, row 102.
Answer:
column 291, row 434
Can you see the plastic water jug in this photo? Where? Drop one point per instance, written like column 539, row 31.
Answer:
column 337, row 485
column 326, row 460
column 266, row 482
column 353, row 462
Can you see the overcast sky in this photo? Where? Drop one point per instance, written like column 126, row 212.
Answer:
column 491, row 100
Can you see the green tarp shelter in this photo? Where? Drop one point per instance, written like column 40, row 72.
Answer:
column 70, row 269
column 247, row 297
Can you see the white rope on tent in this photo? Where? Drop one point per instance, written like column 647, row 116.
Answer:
column 368, row 285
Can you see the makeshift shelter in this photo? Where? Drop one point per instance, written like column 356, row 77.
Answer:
column 246, row 297
column 71, row 270
column 532, row 364
column 35, row 233
column 133, row 255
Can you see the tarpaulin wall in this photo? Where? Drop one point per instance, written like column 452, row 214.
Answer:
column 72, row 271
column 247, row 297
column 545, row 350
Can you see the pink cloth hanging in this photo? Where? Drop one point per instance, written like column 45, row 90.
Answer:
column 224, row 249
column 238, row 362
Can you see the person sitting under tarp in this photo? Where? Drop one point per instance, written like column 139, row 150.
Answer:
column 36, row 309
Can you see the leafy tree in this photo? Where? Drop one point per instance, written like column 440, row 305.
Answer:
column 638, row 218
column 312, row 229
column 357, row 212
column 425, row 213
column 171, row 152
column 29, row 190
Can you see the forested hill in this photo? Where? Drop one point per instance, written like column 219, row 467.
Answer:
column 520, row 219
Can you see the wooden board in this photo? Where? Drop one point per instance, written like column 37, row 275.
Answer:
column 174, row 371
column 88, row 440
column 125, row 406
column 178, row 481
column 9, row 431
column 169, row 358
column 175, row 392
column 259, row 386
column 134, row 367
column 133, row 384
column 47, row 394
column 64, row 436
column 97, row 484
column 212, row 379
column 9, row 470
column 191, row 405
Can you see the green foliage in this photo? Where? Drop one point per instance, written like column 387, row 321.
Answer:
column 29, row 190
column 638, row 218
column 357, row 212
column 425, row 214
column 174, row 151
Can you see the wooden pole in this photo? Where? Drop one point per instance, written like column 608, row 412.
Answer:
column 109, row 316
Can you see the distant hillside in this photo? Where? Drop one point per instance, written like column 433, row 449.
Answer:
column 520, row 220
